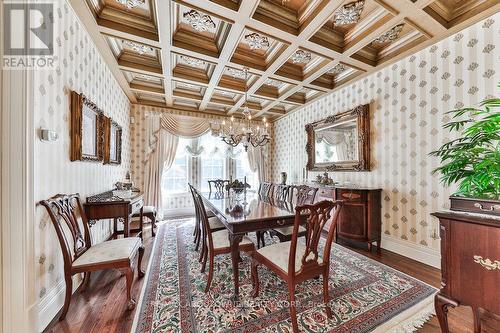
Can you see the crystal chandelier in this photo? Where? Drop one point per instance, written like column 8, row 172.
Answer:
column 243, row 131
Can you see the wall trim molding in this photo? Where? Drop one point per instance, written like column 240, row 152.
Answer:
column 416, row 252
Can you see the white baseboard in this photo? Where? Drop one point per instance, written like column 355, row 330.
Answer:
column 52, row 302
column 422, row 254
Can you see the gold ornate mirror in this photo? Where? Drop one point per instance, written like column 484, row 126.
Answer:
column 340, row 142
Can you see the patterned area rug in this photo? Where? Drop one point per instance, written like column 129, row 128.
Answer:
column 365, row 295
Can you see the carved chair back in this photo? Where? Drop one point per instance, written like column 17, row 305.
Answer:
column 196, row 213
column 265, row 189
column 282, row 192
column 203, row 218
column 70, row 222
column 218, row 185
column 303, row 194
column 318, row 215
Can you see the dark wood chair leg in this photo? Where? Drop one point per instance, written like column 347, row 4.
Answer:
column 129, row 276
column 326, row 297
column 204, row 259
column 293, row 310
column 139, row 262
column 197, row 238
column 210, row 273
column 153, row 225
column 86, row 281
column 255, row 279
column 67, row 297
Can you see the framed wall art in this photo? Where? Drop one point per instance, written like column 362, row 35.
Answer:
column 86, row 131
column 112, row 142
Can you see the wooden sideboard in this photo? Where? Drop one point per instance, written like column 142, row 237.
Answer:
column 360, row 218
column 107, row 206
column 470, row 264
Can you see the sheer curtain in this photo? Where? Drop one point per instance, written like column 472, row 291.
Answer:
column 257, row 161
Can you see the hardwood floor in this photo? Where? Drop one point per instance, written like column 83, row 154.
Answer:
column 102, row 308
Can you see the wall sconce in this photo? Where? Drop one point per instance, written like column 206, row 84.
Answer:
column 48, row 135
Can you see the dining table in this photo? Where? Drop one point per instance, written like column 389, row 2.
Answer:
column 246, row 213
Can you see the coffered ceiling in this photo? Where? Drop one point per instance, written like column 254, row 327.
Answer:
column 191, row 54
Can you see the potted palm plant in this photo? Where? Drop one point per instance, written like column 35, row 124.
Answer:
column 473, row 159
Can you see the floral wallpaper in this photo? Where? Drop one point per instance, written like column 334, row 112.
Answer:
column 79, row 68
column 408, row 101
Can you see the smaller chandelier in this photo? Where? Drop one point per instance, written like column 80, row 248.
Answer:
column 199, row 22
column 244, row 131
column 130, row 4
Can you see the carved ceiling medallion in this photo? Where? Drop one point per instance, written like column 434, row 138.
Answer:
column 199, row 22
column 130, row 4
column 256, row 41
column 236, row 73
column 137, row 47
column 144, row 77
column 339, row 68
column 187, row 85
column 301, row 57
column 349, row 13
column 390, row 35
column 226, row 93
column 274, row 83
column 193, row 62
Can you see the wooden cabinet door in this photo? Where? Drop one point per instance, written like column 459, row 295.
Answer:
column 352, row 221
column 474, row 265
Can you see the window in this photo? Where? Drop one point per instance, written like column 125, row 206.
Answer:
column 243, row 170
column 175, row 179
column 213, row 160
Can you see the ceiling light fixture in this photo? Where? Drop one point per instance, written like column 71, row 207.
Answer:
column 199, row 22
column 301, row 57
column 245, row 131
column 349, row 13
column 130, row 4
column 256, row 41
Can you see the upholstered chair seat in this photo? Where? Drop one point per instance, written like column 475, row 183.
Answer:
column 220, row 240
column 108, row 252
column 149, row 210
column 279, row 254
column 215, row 223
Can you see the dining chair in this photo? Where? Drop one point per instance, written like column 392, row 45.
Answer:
column 214, row 222
column 217, row 241
column 218, row 185
column 296, row 261
column 80, row 256
column 265, row 189
column 282, row 193
column 150, row 213
column 301, row 195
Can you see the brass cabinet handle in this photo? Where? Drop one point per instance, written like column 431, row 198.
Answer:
column 491, row 209
column 487, row 263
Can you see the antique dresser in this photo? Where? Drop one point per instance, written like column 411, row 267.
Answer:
column 470, row 264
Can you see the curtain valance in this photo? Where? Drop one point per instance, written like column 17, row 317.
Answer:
column 187, row 127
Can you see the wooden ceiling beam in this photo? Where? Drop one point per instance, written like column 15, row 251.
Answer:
column 163, row 17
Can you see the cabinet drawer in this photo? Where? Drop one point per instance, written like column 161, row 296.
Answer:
column 325, row 193
column 351, row 195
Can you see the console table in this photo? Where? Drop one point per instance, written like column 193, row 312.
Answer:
column 470, row 264
column 107, row 206
column 361, row 216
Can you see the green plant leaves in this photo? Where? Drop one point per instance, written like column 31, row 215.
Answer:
column 473, row 160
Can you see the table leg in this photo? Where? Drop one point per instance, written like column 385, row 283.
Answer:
column 126, row 226
column 442, row 304
column 115, row 228
column 234, row 240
